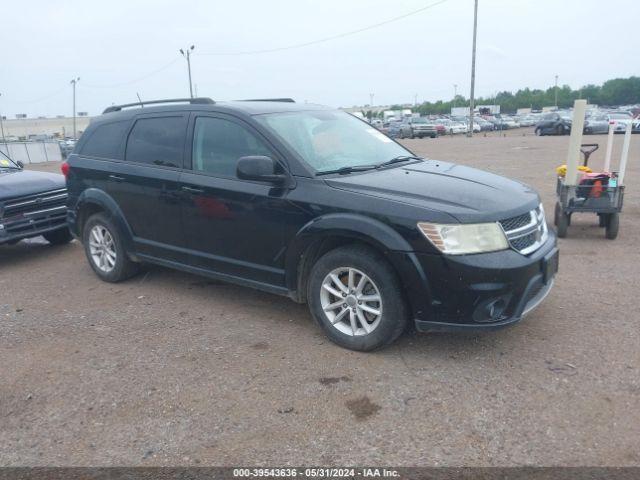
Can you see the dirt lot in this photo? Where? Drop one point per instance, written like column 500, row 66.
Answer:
column 170, row 368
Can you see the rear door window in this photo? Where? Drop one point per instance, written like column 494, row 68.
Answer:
column 157, row 141
column 106, row 141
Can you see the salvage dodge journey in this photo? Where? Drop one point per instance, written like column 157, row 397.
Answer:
column 311, row 203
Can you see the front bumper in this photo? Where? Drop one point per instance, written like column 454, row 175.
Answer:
column 484, row 291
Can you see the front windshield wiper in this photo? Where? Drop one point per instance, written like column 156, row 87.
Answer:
column 362, row 168
column 349, row 169
column 398, row 159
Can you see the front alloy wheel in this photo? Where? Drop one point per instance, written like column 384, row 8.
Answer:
column 351, row 301
column 356, row 297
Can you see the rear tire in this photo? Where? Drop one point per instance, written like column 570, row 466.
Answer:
column 104, row 249
column 345, row 326
column 538, row 132
column 613, row 225
column 58, row 237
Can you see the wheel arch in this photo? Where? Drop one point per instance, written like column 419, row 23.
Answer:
column 332, row 231
column 92, row 201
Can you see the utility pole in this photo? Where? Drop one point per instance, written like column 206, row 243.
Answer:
column 187, row 55
column 73, row 84
column 371, row 99
column 473, row 68
column 556, row 93
column 2, row 126
column 415, row 100
column 455, row 94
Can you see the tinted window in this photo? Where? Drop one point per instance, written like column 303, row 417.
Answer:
column 218, row 144
column 106, row 140
column 157, row 141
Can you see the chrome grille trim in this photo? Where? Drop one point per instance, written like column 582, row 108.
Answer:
column 529, row 237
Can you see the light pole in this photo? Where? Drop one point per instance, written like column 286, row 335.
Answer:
column 556, row 93
column 371, row 99
column 455, row 94
column 73, row 84
column 473, row 68
column 187, row 55
column 2, row 126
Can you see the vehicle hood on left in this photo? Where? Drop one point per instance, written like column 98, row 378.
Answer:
column 467, row 194
column 16, row 183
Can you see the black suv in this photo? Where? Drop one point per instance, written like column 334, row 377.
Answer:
column 31, row 204
column 314, row 204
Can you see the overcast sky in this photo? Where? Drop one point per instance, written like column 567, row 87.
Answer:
column 114, row 46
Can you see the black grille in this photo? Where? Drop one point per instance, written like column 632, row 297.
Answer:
column 525, row 241
column 516, row 222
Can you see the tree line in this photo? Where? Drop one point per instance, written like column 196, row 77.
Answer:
column 618, row 91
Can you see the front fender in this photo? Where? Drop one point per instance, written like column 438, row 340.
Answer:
column 96, row 199
column 366, row 230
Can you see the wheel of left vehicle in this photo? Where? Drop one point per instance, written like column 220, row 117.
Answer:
column 356, row 297
column 58, row 237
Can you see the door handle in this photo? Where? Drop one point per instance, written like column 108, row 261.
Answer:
column 192, row 189
column 116, row 178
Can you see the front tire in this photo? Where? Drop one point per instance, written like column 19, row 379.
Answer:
column 356, row 297
column 58, row 237
column 613, row 225
column 105, row 251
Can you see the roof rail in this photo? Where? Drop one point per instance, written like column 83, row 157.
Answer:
column 197, row 100
column 286, row 100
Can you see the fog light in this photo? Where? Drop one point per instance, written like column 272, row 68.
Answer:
column 491, row 310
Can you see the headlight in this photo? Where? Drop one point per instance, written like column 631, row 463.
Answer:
column 460, row 239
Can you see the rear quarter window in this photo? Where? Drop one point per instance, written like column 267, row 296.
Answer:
column 157, row 141
column 106, row 141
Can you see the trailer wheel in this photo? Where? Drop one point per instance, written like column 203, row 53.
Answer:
column 556, row 213
column 602, row 220
column 613, row 224
column 563, row 224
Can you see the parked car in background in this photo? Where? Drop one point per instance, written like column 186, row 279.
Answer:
column 619, row 120
column 440, row 128
column 596, row 124
column 553, row 124
column 452, row 127
column 393, row 129
column 313, row 204
column 527, row 121
column 485, row 125
column 419, row 127
column 31, row 204
column 509, row 122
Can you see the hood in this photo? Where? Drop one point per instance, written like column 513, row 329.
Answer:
column 468, row 194
column 16, row 183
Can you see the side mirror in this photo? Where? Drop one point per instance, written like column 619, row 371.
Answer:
column 20, row 164
column 259, row 168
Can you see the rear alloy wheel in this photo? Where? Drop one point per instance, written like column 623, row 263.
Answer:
column 355, row 296
column 104, row 250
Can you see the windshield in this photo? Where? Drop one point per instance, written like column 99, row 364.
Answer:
column 329, row 140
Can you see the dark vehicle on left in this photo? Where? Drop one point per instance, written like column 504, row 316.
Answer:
column 31, row 204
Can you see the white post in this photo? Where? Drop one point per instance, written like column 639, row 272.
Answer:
column 625, row 154
column 607, row 158
column 573, row 156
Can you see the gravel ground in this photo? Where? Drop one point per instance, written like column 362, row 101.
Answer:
column 174, row 369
